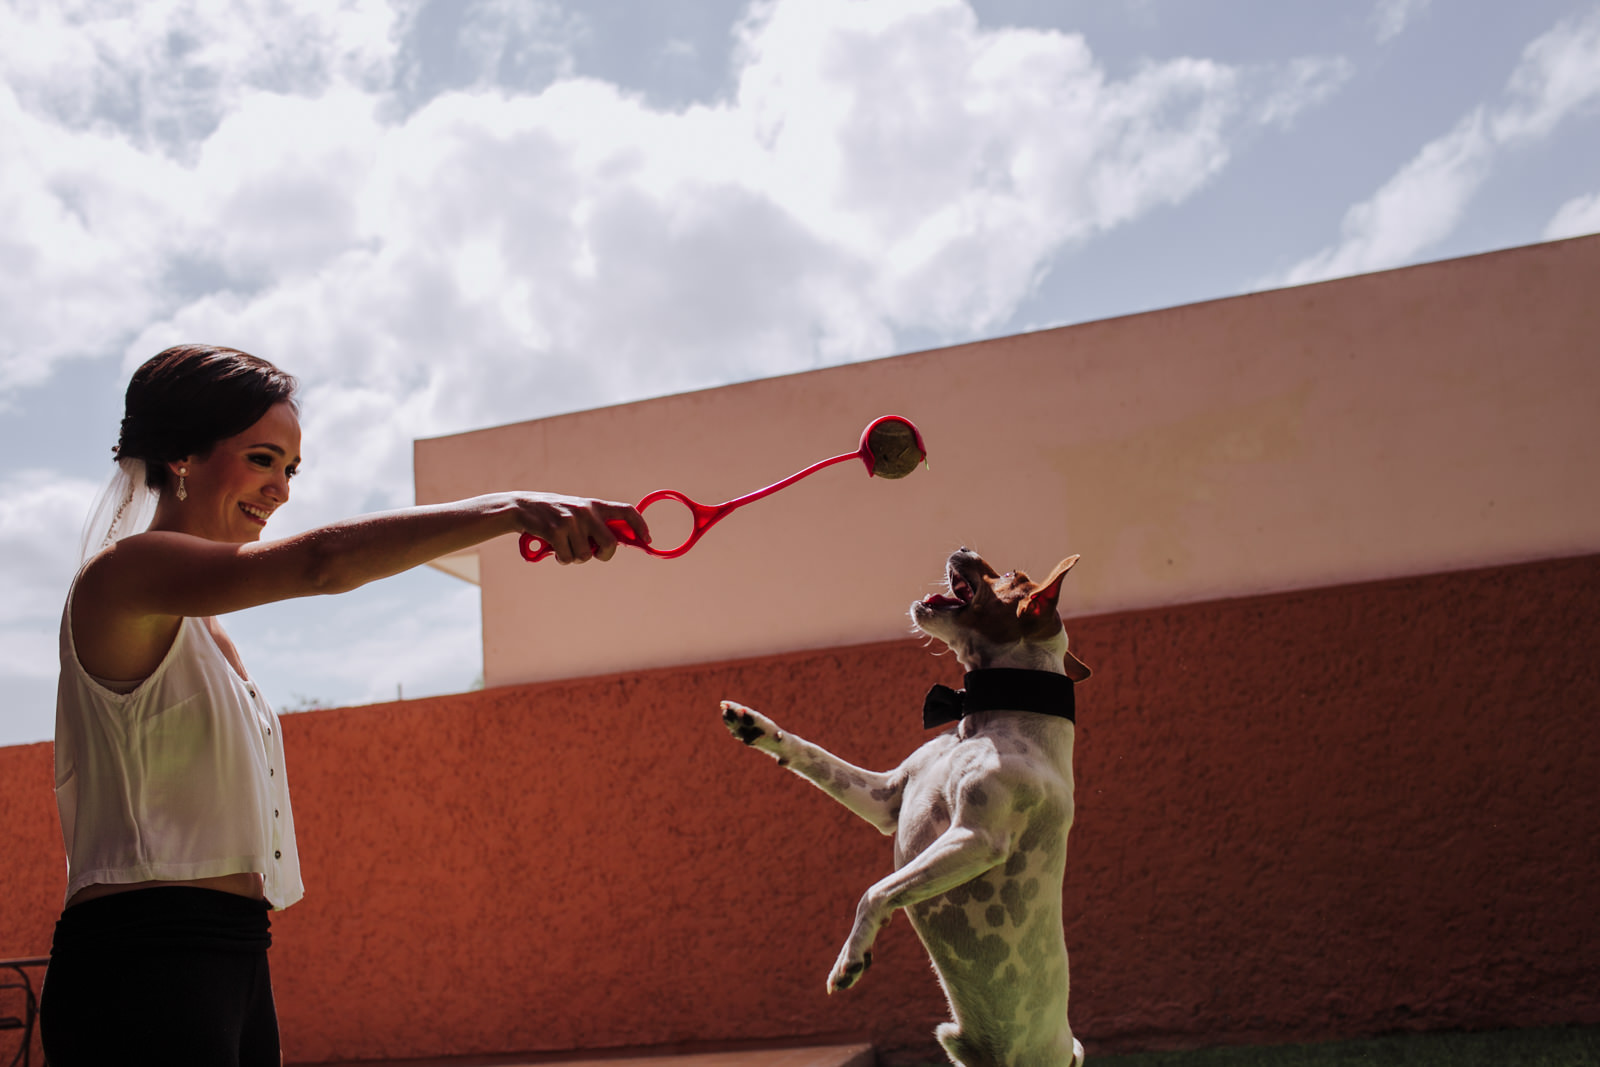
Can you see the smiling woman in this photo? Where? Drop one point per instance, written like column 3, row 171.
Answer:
column 170, row 777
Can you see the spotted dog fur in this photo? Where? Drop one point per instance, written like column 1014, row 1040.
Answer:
column 980, row 816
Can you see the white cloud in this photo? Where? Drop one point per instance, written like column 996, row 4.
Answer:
column 263, row 175
column 168, row 70
column 103, row 110
column 491, row 256
column 511, row 41
column 1417, row 207
column 1300, row 85
column 35, row 506
column 421, row 632
column 1557, row 78
column 1391, row 17
column 1575, row 218
column 87, row 232
column 890, row 164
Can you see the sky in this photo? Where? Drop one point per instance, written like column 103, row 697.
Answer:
column 442, row 216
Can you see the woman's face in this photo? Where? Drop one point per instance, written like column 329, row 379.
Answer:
column 236, row 488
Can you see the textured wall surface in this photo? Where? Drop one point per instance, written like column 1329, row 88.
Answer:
column 1330, row 812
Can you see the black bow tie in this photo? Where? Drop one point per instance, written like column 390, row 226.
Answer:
column 999, row 689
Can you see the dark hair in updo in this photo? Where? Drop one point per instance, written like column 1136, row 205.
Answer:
column 189, row 397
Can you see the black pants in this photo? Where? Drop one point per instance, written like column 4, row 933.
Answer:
column 169, row 976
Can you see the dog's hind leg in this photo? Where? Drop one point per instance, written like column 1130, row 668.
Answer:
column 958, row 1048
column 873, row 795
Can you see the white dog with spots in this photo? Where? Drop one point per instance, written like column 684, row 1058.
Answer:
column 979, row 814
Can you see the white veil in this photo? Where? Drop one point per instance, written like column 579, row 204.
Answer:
column 125, row 506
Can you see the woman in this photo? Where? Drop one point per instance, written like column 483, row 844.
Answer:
column 169, row 762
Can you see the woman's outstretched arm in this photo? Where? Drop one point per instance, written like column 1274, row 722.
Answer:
column 168, row 574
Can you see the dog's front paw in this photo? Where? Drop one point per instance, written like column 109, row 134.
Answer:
column 749, row 726
column 848, row 971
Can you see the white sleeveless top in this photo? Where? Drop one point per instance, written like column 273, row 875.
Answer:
column 180, row 778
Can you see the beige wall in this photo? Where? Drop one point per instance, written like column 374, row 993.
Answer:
column 1413, row 421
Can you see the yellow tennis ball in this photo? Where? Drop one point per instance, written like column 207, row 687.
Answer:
column 894, row 448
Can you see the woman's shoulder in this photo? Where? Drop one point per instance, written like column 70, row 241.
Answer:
column 113, row 633
column 135, row 559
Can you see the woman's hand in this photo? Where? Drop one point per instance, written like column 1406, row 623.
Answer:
column 576, row 528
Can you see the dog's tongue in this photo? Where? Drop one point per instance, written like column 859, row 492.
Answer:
column 939, row 600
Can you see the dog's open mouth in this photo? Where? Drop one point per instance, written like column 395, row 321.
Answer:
column 959, row 597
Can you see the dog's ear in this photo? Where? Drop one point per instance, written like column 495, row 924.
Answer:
column 1041, row 603
column 1042, row 600
column 1077, row 670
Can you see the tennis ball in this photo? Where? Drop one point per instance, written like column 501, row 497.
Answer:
column 894, row 447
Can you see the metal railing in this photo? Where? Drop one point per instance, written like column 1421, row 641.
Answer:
column 30, row 1003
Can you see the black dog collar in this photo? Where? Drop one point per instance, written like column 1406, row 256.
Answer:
column 1000, row 689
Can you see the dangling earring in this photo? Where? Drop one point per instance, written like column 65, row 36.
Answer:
column 183, row 490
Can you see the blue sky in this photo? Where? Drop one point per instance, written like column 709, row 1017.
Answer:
column 443, row 216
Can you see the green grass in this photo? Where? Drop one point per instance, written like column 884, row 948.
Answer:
column 1506, row 1048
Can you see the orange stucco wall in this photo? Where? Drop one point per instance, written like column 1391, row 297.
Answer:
column 1328, row 812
